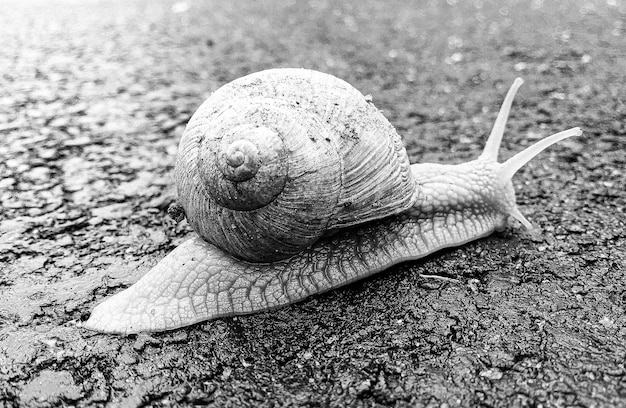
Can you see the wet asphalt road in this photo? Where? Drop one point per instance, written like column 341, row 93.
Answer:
column 94, row 98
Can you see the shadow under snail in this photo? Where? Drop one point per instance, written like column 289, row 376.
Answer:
column 295, row 185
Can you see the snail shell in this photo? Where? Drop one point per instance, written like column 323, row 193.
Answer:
column 274, row 160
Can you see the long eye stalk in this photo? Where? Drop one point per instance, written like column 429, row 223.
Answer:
column 492, row 147
column 512, row 165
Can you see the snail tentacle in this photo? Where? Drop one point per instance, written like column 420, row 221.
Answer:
column 492, row 147
column 512, row 165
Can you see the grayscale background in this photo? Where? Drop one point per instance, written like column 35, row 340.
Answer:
column 94, row 97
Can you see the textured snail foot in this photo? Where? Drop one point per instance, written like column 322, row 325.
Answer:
column 453, row 205
column 198, row 281
column 171, row 295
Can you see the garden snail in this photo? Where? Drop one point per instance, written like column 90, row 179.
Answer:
column 296, row 184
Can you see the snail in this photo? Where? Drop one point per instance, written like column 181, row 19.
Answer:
column 295, row 184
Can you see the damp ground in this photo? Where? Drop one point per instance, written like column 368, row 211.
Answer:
column 93, row 101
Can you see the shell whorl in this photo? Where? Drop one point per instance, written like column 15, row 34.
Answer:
column 272, row 161
column 247, row 169
column 240, row 160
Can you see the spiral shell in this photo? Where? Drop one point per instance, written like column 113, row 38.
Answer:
column 274, row 160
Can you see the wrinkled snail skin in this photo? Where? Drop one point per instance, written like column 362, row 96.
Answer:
column 452, row 205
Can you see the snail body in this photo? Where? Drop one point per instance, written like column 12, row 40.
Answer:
column 296, row 184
